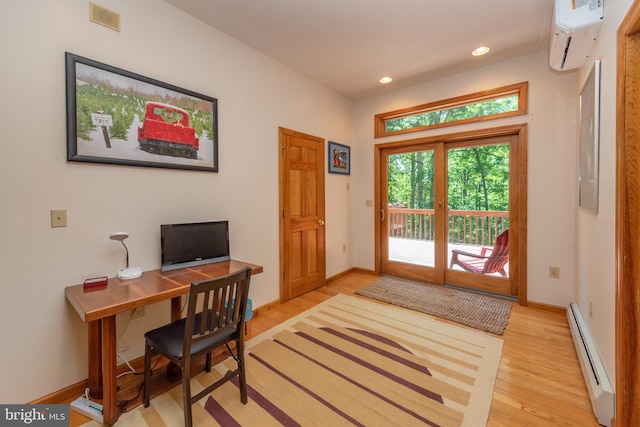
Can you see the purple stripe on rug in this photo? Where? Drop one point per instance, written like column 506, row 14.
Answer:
column 408, row 363
column 267, row 405
column 383, row 340
column 357, row 384
column 219, row 414
column 306, row 390
column 412, row 386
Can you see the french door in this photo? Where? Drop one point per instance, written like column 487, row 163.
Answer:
column 452, row 195
column 412, row 221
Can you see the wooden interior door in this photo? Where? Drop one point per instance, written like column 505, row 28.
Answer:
column 302, row 232
column 628, row 221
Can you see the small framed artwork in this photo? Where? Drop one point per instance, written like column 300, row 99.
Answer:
column 339, row 158
column 115, row 116
column 589, row 140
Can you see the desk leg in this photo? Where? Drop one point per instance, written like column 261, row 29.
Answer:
column 176, row 309
column 95, row 359
column 109, row 384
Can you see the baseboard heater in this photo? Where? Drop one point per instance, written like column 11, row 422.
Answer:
column 595, row 376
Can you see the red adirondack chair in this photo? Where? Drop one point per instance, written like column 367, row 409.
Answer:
column 490, row 260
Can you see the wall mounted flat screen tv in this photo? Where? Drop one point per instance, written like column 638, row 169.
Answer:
column 197, row 243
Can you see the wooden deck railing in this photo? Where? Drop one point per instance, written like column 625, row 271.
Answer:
column 465, row 227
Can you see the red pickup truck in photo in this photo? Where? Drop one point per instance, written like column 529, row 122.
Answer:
column 166, row 131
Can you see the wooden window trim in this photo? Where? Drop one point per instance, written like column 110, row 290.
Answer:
column 519, row 89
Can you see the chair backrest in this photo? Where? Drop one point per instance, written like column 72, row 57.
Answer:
column 216, row 306
column 499, row 254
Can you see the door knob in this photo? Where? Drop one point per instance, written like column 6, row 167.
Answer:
column 321, row 222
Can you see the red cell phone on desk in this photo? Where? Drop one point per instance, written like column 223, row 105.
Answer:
column 96, row 281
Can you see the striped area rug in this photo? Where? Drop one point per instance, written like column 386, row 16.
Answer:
column 348, row 361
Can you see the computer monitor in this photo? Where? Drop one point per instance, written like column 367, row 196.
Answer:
column 197, row 243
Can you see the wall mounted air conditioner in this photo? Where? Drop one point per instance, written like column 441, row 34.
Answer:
column 574, row 28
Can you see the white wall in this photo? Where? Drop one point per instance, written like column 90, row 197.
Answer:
column 596, row 237
column 552, row 163
column 44, row 341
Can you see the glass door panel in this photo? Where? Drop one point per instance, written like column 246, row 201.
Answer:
column 412, row 236
column 410, row 208
column 478, row 195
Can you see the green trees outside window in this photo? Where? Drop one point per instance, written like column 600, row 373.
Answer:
column 492, row 104
column 477, row 193
column 475, row 110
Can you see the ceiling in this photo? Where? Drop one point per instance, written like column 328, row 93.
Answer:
column 347, row 45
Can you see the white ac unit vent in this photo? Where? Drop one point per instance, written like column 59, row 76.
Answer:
column 595, row 376
column 574, row 29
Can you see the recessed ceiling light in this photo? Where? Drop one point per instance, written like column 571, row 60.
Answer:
column 385, row 80
column 480, row 51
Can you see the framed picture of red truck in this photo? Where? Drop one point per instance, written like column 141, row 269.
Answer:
column 115, row 116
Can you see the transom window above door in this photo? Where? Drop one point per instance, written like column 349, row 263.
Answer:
column 506, row 101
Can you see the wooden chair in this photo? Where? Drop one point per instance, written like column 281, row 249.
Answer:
column 215, row 317
column 490, row 260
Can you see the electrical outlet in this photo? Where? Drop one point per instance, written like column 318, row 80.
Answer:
column 344, row 248
column 554, row 272
column 138, row 313
column 58, row 218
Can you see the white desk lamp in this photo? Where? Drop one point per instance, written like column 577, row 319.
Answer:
column 129, row 272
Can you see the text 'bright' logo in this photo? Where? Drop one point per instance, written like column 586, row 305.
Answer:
column 39, row 415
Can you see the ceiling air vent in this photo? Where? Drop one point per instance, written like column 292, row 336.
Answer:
column 103, row 16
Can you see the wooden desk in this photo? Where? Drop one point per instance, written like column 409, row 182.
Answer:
column 98, row 308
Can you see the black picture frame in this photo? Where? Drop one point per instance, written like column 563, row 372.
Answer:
column 119, row 117
column 339, row 158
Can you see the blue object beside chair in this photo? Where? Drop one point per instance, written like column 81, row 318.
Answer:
column 249, row 314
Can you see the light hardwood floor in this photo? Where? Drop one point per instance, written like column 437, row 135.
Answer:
column 539, row 381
